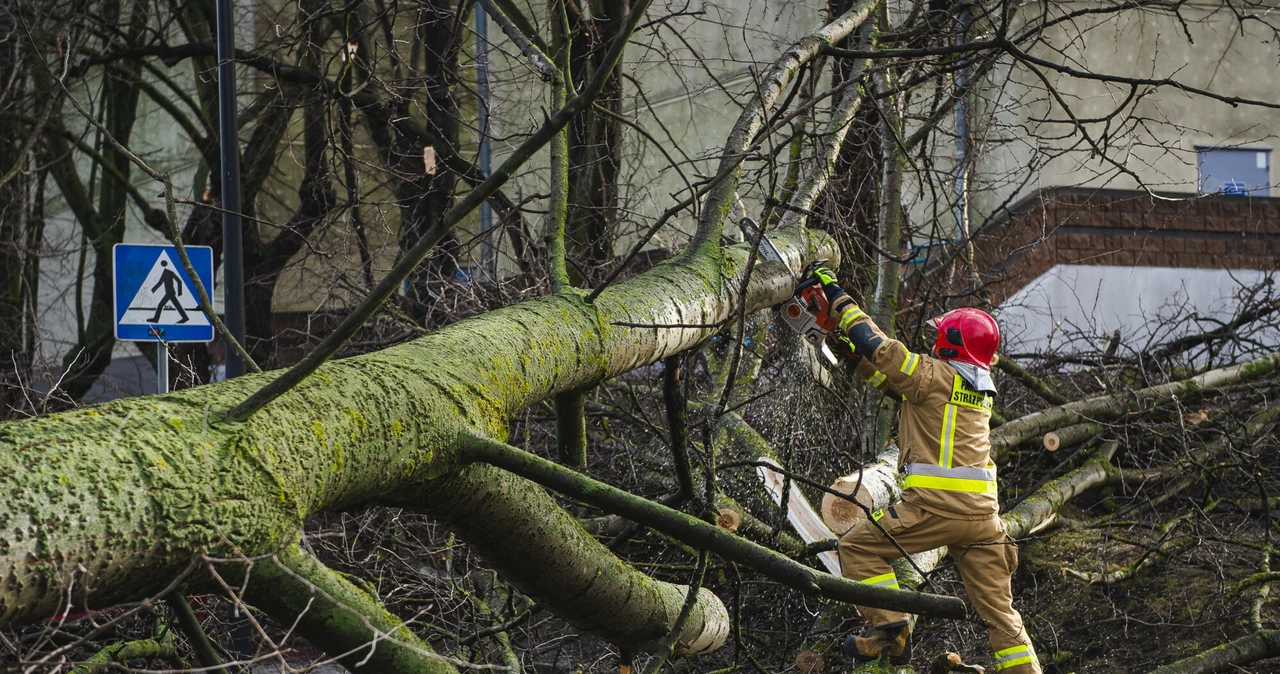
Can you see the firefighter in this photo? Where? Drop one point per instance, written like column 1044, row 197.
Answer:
column 949, row 492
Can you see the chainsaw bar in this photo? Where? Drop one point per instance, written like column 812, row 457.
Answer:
column 794, row 312
column 767, row 250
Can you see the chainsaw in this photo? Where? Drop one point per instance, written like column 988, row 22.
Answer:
column 808, row 311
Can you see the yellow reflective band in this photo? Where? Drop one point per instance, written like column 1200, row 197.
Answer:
column 963, row 394
column 877, row 378
column 949, row 484
column 877, row 514
column 851, row 314
column 1006, row 664
column 883, row 580
column 909, row 364
column 1012, row 657
column 947, row 445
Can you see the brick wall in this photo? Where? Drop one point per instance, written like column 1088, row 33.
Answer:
column 1126, row 228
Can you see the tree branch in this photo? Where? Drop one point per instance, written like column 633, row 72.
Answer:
column 701, row 535
column 412, row 257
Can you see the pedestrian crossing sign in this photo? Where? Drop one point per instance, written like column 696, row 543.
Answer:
column 155, row 299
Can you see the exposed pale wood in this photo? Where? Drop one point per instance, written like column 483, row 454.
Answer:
column 728, row 519
column 800, row 514
column 876, row 484
column 1070, row 435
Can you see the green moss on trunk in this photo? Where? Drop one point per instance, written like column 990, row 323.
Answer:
column 332, row 612
column 119, row 497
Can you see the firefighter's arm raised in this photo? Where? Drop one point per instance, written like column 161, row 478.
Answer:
column 885, row 363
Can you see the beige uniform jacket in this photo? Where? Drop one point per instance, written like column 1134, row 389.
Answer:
column 943, row 431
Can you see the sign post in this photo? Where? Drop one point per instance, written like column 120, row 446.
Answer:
column 155, row 299
column 229, row 141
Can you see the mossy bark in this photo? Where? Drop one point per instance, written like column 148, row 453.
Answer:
column 542, row 550
column 1039, row 508
column 115, row 655
column 704, row 536
column 120, row 497
column 1229, row 656
column 332, row 612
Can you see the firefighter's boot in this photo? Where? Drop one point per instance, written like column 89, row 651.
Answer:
column 895, row 639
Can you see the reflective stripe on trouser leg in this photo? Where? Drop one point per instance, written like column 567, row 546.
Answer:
column 864, row 557
column 888, row 580
column 1022, row 654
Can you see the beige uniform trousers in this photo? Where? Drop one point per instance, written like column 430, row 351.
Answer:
column 985, row 555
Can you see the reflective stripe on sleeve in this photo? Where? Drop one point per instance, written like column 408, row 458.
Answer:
column 884, row 580
column 909, row 364
column 850, row 315
column 1012, row 657
column 964, row 478
column 877, row 378
column 946, row 447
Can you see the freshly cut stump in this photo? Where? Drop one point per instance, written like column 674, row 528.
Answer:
column 876, row 485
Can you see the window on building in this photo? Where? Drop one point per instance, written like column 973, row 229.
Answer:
column 1234, row 171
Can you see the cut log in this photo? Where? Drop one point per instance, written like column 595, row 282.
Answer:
column 728, row 520
column 1070, row 436
column 876, row 485
column 800, row 514
column 810, row 661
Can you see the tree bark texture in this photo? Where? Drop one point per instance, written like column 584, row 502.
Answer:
column 334, row 613
column 119, row 497
column 704, row 536
column 1227, row 657
column 115, row 655
column 542, row 550
column 595, row 143
column 1039, row 508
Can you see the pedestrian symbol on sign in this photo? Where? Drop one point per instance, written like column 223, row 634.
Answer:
column 155, row 299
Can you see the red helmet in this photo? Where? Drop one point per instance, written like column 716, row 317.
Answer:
column 967, row 335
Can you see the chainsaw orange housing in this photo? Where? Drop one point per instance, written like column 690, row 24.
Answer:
column 816, row 300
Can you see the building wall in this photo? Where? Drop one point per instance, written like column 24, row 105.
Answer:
column 1152, row 140
column 1070, row 266
column 1127, row 228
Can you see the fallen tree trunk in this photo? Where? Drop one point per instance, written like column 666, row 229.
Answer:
column 119, row 497
column 704, row 536
column 332, row 612
column 1229, row 656
column 1039, row 509
column 541, row 549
